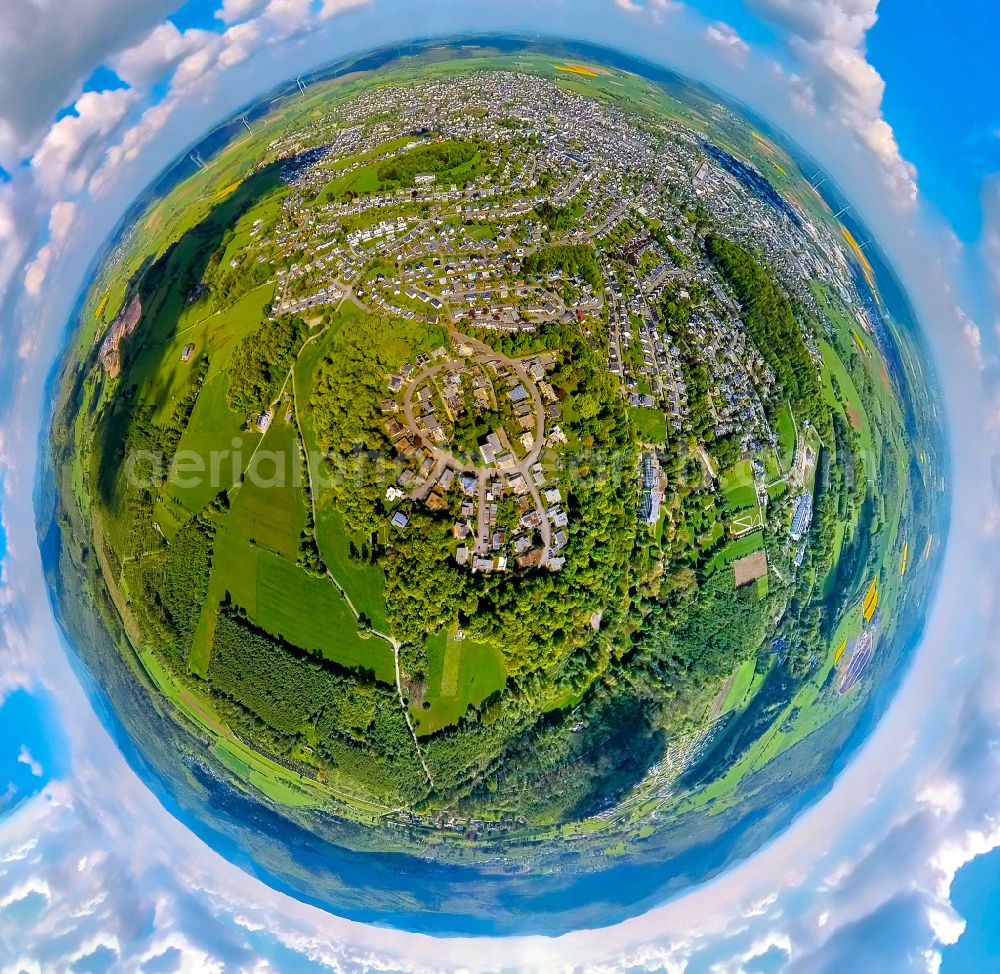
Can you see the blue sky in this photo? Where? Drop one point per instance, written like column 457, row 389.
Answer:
column 942, row 97
column 96, row 95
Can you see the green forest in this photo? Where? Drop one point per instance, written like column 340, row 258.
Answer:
column 261, row 363
column 438, row 158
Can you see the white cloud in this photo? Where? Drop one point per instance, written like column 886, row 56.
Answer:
column 828, row 38
column 192, row 57
column 161, row 50
column 240, row 41
column 13, row 236
column 289, row 15
column 332, row 8
column 725, row 36
column 199, row 59
column 991, row 237
column 24, row 757
column 47, row 49
column 972, row 335
column 656, row 7
column 132, row 142
column 233, row 10
column 61, row 220
column 75, row 145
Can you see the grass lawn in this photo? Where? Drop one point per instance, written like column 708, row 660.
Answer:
column 853, row 408
column 170, row 514
column 741, row 684
column 169, row 324
column 738, row 486
column 785, row 424
column 285, row 601
column 715, row 531
column 222, row 332
column 341, row 180
column 311, row 613
column 650, row 425
column 460, row 673
column 737, row 549
column 234, row 572
column 270, row 505
column 210, row 436
column 839, row 532
column 367, row 180
column 254, row 563
column 772, row 468
column 363, row 182
column 777, row 491
column 364, row 583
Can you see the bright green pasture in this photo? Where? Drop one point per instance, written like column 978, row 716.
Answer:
column 364, row 583
column 215, row 444
column 460, row 673
column 650, row 424
column 786, row 436
column 740, row 685
column 310, row 612
column 854, row 408
column 285, row 601
column 738, row 486
column 159, row 372
column 270, row 504
column 737, row 549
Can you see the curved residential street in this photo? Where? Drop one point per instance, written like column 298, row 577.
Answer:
column 444, row 458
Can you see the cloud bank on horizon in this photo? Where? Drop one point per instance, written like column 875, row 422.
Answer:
column 94, row 877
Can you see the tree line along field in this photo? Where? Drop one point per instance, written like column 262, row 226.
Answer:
column 281, row 610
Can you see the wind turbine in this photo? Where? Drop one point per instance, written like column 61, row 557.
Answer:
column 301, row 84
column 244, row 120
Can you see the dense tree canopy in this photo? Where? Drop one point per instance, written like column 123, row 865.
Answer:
column 261, row 362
